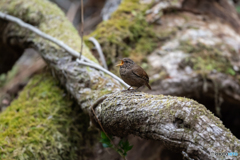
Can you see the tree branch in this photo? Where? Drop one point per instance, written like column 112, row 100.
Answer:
column 59, row 43
column 182, row 124
column 99, row 50
column 82, row 27
column 41, row 34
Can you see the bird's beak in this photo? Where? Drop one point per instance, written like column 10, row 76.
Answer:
column 120, row 63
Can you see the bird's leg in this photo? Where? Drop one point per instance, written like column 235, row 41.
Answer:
column 129, row 88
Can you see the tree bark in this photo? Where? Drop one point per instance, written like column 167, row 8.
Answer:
column 182, row 124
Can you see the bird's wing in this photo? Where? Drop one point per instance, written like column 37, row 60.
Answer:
column 138, row 71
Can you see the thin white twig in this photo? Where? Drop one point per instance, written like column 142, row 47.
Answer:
column 43, row 35
column 61, row 44
column 106, row 71
column 82, row 28
column 99, row 50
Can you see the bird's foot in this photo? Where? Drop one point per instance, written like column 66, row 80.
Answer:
column 129, row 88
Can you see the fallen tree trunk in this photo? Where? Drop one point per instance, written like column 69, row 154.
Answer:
column 182, row 124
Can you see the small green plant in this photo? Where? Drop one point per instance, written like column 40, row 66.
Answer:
column 106, row 142
column 122, row 148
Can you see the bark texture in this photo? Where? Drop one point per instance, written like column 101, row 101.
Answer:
column 182, row 124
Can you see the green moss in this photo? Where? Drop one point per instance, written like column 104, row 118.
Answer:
column 127, row 33
column 43, row 123
column 49, row 18
column 205, row 58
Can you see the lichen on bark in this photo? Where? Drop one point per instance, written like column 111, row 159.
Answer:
column 205, row 58
column 177, row 122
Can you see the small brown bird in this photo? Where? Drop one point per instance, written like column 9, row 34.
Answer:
column 133, row 74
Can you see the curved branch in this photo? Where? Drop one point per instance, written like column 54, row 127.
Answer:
column 60, row 43
column 180, row 123
column 106, row 71
column 99, row 50
column 41, row 34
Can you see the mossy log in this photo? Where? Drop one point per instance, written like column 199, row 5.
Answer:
column 189, row 48
column 182, row 124
column 43, row 123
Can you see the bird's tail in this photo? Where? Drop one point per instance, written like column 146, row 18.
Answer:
column 148, row 86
